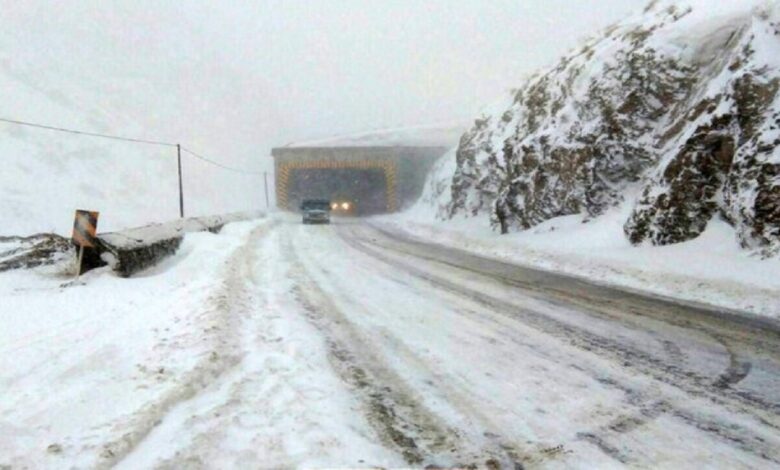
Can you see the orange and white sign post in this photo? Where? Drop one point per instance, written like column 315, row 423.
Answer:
column 84, row 233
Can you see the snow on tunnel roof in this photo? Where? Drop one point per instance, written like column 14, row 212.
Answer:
column 416, row 136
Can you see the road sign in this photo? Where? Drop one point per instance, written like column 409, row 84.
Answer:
column 84, row 234
column 85, row 228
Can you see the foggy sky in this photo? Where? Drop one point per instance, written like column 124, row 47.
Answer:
column 235, row 78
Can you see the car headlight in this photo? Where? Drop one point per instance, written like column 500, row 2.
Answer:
column 345, row 206
column 334, row 206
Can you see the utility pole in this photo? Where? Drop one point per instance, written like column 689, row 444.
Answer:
column 265, row 181
column 181, row 187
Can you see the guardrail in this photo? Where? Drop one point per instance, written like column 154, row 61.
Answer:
column 130, row 251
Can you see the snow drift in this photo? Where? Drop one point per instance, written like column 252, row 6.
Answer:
column 674, row 111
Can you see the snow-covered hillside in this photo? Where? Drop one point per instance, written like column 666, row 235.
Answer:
column 671, row 115
column 46, row 175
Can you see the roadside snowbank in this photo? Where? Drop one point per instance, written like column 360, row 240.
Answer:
column 711, row 269
column 87, row 370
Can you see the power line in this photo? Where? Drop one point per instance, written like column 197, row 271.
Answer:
column 91, row 134
column 178, row 147
column 128, row 139
column 224, row 167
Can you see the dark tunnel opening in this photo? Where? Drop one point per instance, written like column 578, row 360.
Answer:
column 365, row 189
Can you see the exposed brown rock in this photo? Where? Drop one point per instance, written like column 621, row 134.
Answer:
column 699, row 133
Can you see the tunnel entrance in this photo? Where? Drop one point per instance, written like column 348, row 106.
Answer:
column 381, row 177
column 365, row 189
column 369, row 186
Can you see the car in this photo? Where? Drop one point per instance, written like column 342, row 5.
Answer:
column 343, row 207
column 316, row 211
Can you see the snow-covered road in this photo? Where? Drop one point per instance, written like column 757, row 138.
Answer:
column 350, row 346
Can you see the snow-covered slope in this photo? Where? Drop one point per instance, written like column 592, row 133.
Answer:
column 674, row 111
column 46, row 175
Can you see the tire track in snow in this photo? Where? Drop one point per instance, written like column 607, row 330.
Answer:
column 458, row 394
column 671, row 374
column 736, row 371
column 759, row 334
column 393, row 409
column 646, row 405
column 692, row 380
column 223, row 317
column 637, row 318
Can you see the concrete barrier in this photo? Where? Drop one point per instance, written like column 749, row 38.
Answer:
column 130, row 251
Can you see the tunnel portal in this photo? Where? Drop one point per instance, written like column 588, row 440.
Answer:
column 376, row 179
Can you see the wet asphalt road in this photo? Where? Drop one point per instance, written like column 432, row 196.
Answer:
column 727, row 360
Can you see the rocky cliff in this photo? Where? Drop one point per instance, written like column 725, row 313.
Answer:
column 674, row 111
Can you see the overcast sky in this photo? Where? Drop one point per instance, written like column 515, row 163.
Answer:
column 235, row 78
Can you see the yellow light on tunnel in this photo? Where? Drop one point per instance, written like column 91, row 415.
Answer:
column 345, row 206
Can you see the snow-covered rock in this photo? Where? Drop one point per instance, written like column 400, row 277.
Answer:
column 33, row 251
column 674, row 110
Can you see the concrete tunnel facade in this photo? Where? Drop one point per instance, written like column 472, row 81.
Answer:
column 375, row 179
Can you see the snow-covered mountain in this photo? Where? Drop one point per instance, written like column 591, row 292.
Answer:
column 674, row 112
column 46, row 175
